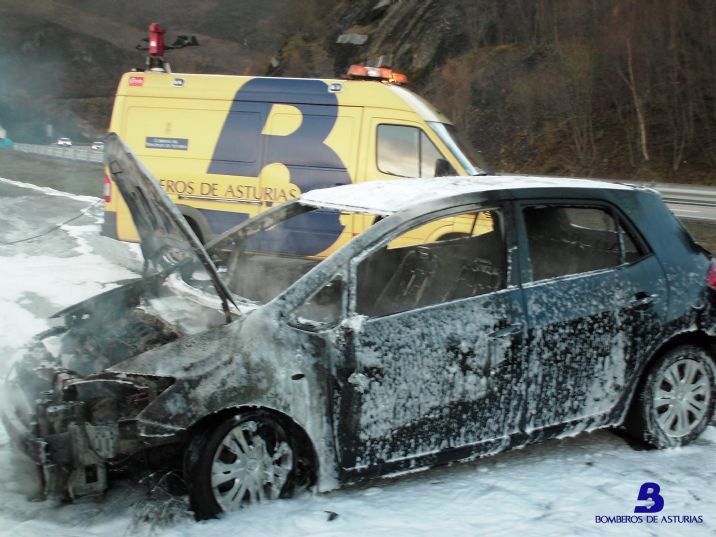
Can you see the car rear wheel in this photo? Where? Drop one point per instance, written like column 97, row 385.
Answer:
column 676, row 400
column 246, row 459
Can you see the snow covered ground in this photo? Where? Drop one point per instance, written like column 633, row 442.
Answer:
column 557, row 488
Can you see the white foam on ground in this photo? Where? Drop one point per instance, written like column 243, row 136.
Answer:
column 49, row 191
column 60, row 280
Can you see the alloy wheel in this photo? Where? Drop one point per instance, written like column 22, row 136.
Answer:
column 251, row 464
column 682, row 397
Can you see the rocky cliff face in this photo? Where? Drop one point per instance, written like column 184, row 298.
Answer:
column 415, row 35
column 616, row 88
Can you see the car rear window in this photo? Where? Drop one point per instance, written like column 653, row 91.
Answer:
column 573, row 240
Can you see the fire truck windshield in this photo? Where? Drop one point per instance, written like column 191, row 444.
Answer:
column 469, row 159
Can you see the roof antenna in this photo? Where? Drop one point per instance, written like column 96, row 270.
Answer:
column 155, row 45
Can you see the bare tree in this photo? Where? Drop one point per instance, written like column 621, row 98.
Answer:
column 630, row 80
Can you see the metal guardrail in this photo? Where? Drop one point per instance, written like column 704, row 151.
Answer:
column 688, row 195
column 73, row 153
column 689, row 202
column 701, row 198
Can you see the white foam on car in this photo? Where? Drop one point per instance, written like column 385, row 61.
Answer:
column 388, row 197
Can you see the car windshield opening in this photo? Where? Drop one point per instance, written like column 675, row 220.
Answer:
column 263, row 262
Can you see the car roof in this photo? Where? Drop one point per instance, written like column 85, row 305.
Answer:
column 389, row 197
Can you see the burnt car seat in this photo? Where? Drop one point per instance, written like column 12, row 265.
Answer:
column 552, row 253
column 409, row 282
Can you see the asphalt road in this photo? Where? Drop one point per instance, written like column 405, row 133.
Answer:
column 31, row 224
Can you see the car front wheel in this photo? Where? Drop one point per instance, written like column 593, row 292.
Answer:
column 676, row 400
column 245, row 459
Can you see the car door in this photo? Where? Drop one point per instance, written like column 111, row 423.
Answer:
column 588, row 297
column 432, row 352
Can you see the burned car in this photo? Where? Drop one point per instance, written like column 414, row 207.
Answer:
column 541, row 308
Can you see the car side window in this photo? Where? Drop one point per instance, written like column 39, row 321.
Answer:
column 408, row 152
column 573, row 240
column 394, row 279
column 631, row 249
column 323, row 309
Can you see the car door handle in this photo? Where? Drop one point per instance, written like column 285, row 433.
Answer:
column 642, row 300
column 359, row 381
column 357, row 378
column 510, row 330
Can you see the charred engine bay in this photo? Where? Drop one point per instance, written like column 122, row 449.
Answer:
column 106, row 332
column 83, row 412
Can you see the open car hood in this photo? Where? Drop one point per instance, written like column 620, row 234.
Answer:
column 166, row 238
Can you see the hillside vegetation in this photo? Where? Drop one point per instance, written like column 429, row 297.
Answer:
column 611, row 88
column 60, row 60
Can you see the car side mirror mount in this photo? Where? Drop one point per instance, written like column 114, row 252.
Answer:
column 322, row 311
column 443, row 168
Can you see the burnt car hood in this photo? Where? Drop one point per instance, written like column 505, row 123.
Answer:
column 129, row 320
column 166, row 238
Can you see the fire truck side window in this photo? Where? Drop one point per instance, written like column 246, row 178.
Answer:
column 408, row 152
column 399, row 150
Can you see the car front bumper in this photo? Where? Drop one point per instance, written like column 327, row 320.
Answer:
column 74, row 442
column 70, row 453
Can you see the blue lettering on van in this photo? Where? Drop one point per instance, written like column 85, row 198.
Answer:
column 242, row 150
column 286, row 91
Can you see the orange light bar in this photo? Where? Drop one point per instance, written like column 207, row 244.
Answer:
column 385, row 75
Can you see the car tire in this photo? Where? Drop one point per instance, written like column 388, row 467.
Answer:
column 675, row 402
column 253, row 458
